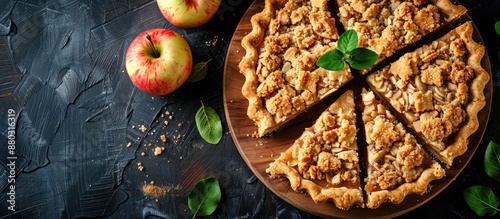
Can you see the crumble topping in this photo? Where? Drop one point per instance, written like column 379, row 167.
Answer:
column 324, row 161
column 386, row 26
column 395, row 159
column 440, row 97
column 434, row 78
column 328, row 150
column 300, row 33
column 394, row 156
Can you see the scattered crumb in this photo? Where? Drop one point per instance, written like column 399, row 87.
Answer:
column 158, row 191
column 179, row 125
column 171, row 117
column 139, row 166
column 163, row 138
column 129, row 144
column 159, row 150
column 143, row 128
column 212, row 42
column 143, row 153
column 154, row 191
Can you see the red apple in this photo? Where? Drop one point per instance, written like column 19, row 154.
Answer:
column 158, row 61
column 188, row 13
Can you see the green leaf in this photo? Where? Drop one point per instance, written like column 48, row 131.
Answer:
column 497, row 27
column 361, row 58
column 481, row 200
column 199, row 71
column 331, row 60
column 348, row 41
column 209, row 124
column 204, row 197
column 492, row 160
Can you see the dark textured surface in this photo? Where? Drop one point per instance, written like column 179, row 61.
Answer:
column 62, row 70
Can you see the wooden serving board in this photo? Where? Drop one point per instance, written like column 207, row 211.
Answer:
column 258, row 153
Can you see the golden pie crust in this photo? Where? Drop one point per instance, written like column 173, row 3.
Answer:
column 438, row 90
column 323, row 161
column 396, row 164
column 386, row 26
column 281, row 76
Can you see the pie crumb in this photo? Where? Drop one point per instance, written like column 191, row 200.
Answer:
column 159, row 150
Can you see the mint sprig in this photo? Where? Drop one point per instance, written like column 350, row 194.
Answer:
column 347, row 51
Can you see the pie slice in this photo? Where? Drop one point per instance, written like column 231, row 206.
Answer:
column 438, row 90
column 387, row 26
column 324, row 161
column 396, row 164
column 281, row 76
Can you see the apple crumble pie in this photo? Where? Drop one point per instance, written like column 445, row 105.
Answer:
column 432, row 94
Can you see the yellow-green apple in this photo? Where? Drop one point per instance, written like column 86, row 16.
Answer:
column 159, row 61
column 188, row 13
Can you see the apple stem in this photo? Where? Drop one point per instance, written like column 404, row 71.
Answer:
column 156, row 55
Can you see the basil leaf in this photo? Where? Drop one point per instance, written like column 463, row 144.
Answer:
column 204, row 197
column 481, row 200
column 497, row 27
column 209, row 124
column 492, row 160
column 331, row 60
column 361, row 58
column 348, row 41
column 199, row 71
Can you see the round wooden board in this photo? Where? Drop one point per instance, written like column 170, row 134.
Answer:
column 258, row 153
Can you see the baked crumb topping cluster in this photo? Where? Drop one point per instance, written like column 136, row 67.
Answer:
column 386, row 26
column 289, row 80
